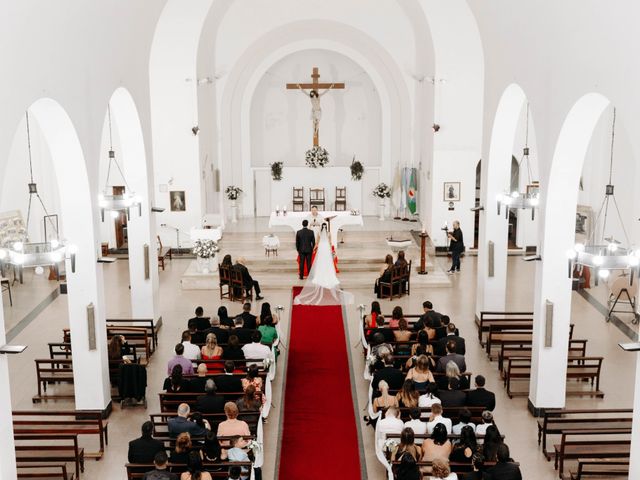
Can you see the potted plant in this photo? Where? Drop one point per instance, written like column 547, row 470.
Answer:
column 232, row 192
column 276, row 171
column 316, row 157
column 382, row 191
column 357, row 169
column 205, row 252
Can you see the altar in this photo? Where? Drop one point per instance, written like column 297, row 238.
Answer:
column 338, row 220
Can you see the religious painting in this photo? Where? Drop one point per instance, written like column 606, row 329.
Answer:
column 177, row 201
column 451, row 192
column 584, row 223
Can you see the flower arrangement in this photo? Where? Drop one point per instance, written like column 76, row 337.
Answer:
column 232, row 192
column 276, row 171
column 316, row 157
column 357, row 170
column 254, row 446
column 382, row 191
column 390, row 444
column 205, row 248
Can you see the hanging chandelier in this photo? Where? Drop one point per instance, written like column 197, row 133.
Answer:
column 607, row 253
column 528, row 199
column 117, row 203
column 49, row 253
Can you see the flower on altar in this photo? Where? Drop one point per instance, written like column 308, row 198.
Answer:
column 316, row 157
column 382, row 191
column 276, row 171
column 232, row 192
column 205, row 248
column 357, row 170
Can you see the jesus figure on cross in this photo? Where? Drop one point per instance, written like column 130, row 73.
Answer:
column 316, row 110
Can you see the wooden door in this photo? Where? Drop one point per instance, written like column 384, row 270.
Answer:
column 120, row 222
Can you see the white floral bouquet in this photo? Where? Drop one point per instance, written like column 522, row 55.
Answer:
column 205, row 248
column 232, row 192
column 390, row 444
column 316, row 157
column 254, row 446
column 382, row 191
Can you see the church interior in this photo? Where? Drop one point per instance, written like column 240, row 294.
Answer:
column 319, row 239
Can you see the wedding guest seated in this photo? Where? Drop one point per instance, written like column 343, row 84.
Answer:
column 430, row 397
column 248, row 282
column 478, row 468
column 248, row 401
column 487, row 421
column 256, row 350
column 418, row 426
column 452, row 371
column 176, row 383
column 191, row 351
column 445, row 320
column 237, row 454
column 388, row 373
column 160, row 473
column 505, row 469
column 210, row 402
column 370, row 319
column 197, row 336
column 266, row 312
column 194, row 468
column 403, row 334
column 223, row 316
column 233, row 350
column 202, row 322
column 180, row 454
column 438, row 446
column 222, row 334
column 465, row 448
column 211, row 350
column 408, row 395
column 232, row 426
column 211, row 450
column 430, row 318
column 379, row 349
column 490, row 443
column 249, row 320
column 228, row 382
column 436, row 418
column 179, row 359
column 385, row 274
column 235, row 472
column 451, row 356
column 119, row 350
column 145, row 448
column 464, row 420
column 254, row 380
column 421, row 347
column 391, row 423
column 196, row 384
column 440, row 470
column 401, row 261
column 396, row 315
column 452, row 396
column 243, row 334
column 267, row 330
column 384, row 400
column 386, row 333
column 480, row 397
column 407, row 445
column 181, row 423
column 453, row 335
column 421, row 373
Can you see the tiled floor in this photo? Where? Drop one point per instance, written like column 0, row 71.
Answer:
column 177, row 305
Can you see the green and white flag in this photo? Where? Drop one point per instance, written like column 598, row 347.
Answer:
column 410, row 183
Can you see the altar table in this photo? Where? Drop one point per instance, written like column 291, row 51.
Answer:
column 294, row 221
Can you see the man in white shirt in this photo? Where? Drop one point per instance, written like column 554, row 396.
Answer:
column 418, row 426
column 191, row 351
column 391, row 423
column 465, row 421
column 429, row 399
column 487, row 419
column 255, row 350
column 436, row 417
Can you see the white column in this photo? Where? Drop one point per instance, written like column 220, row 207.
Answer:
column 7, row 452
column 144, row 291
column 634, row 461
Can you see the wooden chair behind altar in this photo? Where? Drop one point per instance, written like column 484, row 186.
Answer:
column 225, row 281
column 341, row 199
column 298, row 199
column 316, row 198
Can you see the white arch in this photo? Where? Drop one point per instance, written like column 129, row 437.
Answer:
column 241, row 83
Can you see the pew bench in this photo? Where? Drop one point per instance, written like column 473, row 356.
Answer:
column 455, row 467
column 556, row 420
column 148, row 324
column 169, row 402
column 577, row 348
column 519, row 334
column 63, row 422
column 50, row 371
column 54, row 471
column 487, row 318
column 140, row 337
column 136, row 471
column 601, row 468
column 161, row 426
column 449, row 412
column 58, row 448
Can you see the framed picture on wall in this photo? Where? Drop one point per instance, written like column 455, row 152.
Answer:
column 451, row 192
column 177, row 201
column 533, row 189
column 584, row 223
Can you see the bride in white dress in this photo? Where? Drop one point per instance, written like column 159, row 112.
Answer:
column 322, row 287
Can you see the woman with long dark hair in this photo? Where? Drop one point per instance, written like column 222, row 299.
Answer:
column 266, row 328
column 407, row 444
column 466, row 447
column 385, row 274
column 195, row 469
column 438, row 446
column 176, row 383
column 492, row 440
column 265, row 312
column 408, row 395
column 225, row 321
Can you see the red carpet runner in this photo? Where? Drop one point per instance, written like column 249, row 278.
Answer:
column 319, row 436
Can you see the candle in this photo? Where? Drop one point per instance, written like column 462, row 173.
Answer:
column 424, row 229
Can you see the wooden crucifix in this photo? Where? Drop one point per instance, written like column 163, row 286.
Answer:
column 314, row 94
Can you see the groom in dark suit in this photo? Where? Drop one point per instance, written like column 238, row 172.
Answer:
column 305, row 241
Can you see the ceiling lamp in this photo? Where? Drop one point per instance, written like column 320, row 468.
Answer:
column 607, row 253
column 117, row 203
column 49, row 253
column 528, row 199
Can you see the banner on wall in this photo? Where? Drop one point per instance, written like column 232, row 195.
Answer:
column 397, row 193
column 410, row 188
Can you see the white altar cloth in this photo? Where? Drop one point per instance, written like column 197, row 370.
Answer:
column 294, row 221
column 214, row 234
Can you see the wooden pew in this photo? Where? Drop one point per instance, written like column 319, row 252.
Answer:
column 398, row 285
column 599, row 444
column 163, row 253
column 600, row 468
column 488, row 317
column 50, row 371
column 556, row 420
column 58, row 448
column 136, row 471
column 455, row 467
column 578, row 368
column 577, row 348
column 141, row 337
column 161, row 428
column 33, row 422
column 449, row 412
column 147, row 323
column 169, row 402
column 515, row 334
column 63, row 350
column 54, row 471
